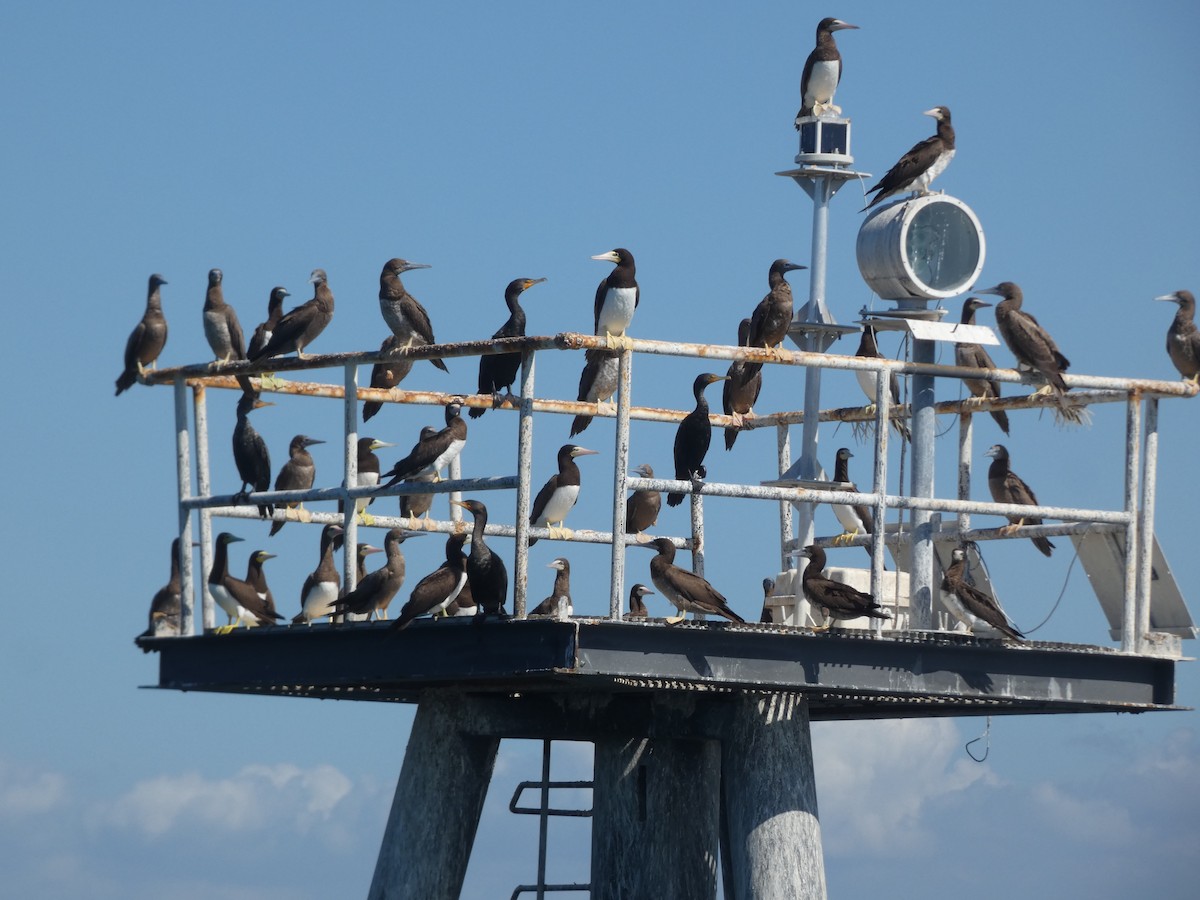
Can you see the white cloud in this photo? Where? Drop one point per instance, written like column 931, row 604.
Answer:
column 24, row 792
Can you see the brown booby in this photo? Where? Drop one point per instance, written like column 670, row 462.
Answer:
column 499, row 370
column 617, row 297
column 822, row 72
column 1183, row 339
column 637, row 606
column 559, row 602
column 432, row 454
column 166, row 603
column 239, row 600
column 366, row 474
column 250, row 452
column 558, row 494
column 1029, row 342
column 970, row 605
column 376, row 590
column 836, row 599
column 402, row 311
column 147, row 339
column 262, row 334
column 386, row 374
column 320, row 589
column 743, row 383
column 297, row 474
column 693, row 437
column 597, row 383
column 486, row 573
column 412, row 506
column 869, row 349
column 642, row 506
column 772, row 317
column 974, row 356
column 765, row 616
column 301, row 326
column 257, row 579
column 221, row 325
column 688, row 591
column 855, row 519
column 1007, row 487
column 440, row 588
column 919, row 166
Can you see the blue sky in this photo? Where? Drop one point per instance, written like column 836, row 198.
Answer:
column 496, row 141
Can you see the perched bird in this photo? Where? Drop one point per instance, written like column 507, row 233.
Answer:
column 772, row 317
column 250, row 452
column 838, row 600
column 970, row 605
column 597, row 383
column 402, row 311
column 320, row 590
column 686, row 590
column 1007, row 487
column 919, row 166
column 768, row 589
column 1183, row 340
column 637, row 607
column 221, row 325
column 386, row 374
column 499, row 370
column 616, row 298
column 165, row 605
column 257, row 579
column 559, row 493
column 433, row 453
column 376, row 590
column 1033, row 347
column 855, row 520
column 441, row 587
column 822, row 72
column 559, row 602
column 147, row 339
column 413, row 506
column 297, row 474
column 976, row 357
column 486, row 574
column 642, row 506
column 301, row 326
column 868, row 349
column 262, row 334
column 743, row 382
column 693, row 437
column 238, row 599
column 360, row 562
column 367, row 469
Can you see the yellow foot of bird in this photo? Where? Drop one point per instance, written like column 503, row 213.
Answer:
column 364, row 518
column 605, row 408
column 1010, row 529
column 224, row 629
column 675, row 620
column 845, row 538
column 739, row 420
column 303, row 515
column 617, row 342
column 821, row 629
column 270, row 382
column 1043, row 391
column 642, row 538
column 560, row 533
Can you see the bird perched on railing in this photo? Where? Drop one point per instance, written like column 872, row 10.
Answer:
column 974, row 356
column 499, row 370
column 919, row 166
column 838, row 600
column 768, row 586
column 743, row 383
column 855, row 519
column 441, row 587
column 486, row 573
column 642, row 506
column 264, row 330
column 320, row 589
column 250, row 452
column 822, row 72
column 1007, row 487
column 869, row 349
column 559, row 602
column 221, row 325
column 147, row 339
column 386, row 374
column 413, row 506
column 772, row 317
column 617, row 297
column 366, row 474
column 166, row 603
column 1183, row 339
column 597, row 383
column 238, row 599
column 433, row 453
column 688, row 591
column 297, row 474
column 693, row 437
column 376, row 590
column 257, row 579
column 1029, row 342
column 970, row 605
column 559, row 493
column 301, row 326
column 637, row 606
column 402, row 311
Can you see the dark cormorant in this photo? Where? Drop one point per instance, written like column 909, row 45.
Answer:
column 499, row 370
column 262, row 334
column 1007, row 487
column 868, row 349
column 686, row 590
column 976, row 357
column 642, row 506
column 822, row 72
column 321, row 587
column 617, row 297
column 1183, row 339
column 301, row 326
column 250, row 452
column 432, row 454
column 402, row 311
column 637, row 607
column 597, row 383
column 838, row 600
column 693, row 437
column 970, row 605
column 147, row 339
column 297, row 474
column 855, row 520
column 441, row 587
column 559, row 493
column 559, row 602
column 772, row 317
column 1029, row 342
column 765, row 616
column 165, row 605
column 238, row 599
column 919, row 166
column 376, row 590
column 221, row 325
column 486, row 573
column 743, row 382
column 386, row 374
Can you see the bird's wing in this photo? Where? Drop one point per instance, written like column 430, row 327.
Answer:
column 542, row 498
column 700, row 592
column 601, row 292
column 290, row 327
column 135, row 338
column 236, row 339
column 422, row 455
column 904, row 171
column 248, row 597
column 416, row 314
column 1018, row 491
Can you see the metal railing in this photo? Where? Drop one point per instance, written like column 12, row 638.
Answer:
column 1135, row 519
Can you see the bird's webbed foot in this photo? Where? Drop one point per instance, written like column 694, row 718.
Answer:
column 269, row 381
column 675, row 620
column 845, row 537
column 642, row 538
column 617, row 341
column 559, row 532
column 364, row 518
